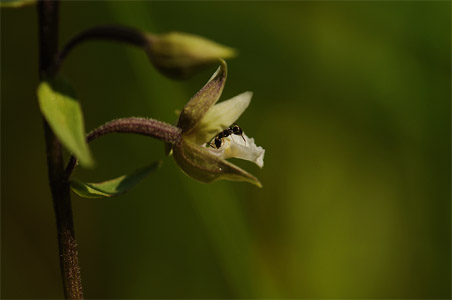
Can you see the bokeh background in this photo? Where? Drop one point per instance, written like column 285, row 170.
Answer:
column 351, row 102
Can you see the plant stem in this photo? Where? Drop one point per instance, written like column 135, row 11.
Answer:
column 59, row 186
column 148, row 127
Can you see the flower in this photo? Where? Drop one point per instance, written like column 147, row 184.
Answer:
column 200, row 121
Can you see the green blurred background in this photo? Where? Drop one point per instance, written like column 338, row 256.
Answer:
column 351, row 102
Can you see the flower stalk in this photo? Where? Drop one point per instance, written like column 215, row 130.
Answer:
column 117, row 33
column 175, row 54
column 143, row 126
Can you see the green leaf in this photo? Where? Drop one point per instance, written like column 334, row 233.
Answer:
column 16, row 3
column 62, row 111
column 113, row 187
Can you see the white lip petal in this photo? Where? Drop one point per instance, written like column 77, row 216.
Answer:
column 219, row 117
column 235, row 146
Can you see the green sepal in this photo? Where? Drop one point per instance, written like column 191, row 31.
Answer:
column 200, row 103
column 200, row 163
column 112, row 187
column 63, row 112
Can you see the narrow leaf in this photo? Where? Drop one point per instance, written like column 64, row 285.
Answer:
column 113, row 187
column 62, row 111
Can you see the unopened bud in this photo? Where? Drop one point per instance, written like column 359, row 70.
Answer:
column 180, row 55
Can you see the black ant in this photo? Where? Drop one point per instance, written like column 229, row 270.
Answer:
column 233, row 129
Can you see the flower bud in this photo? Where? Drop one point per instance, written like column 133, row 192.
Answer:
column 180, row 55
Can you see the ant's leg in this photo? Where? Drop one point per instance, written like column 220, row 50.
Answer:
column 243, row 139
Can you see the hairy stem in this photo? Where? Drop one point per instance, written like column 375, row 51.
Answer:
column 143, row 126
column 59, row 186
column 117, row 33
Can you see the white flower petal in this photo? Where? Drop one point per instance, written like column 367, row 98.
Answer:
column 219, row 117
column 235, row 146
